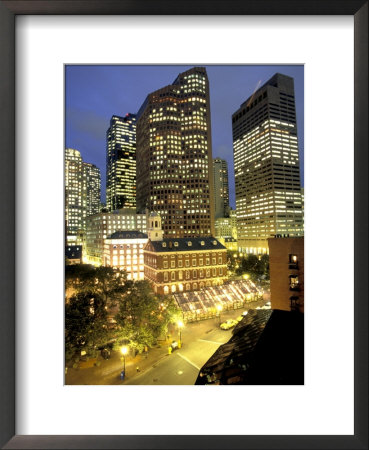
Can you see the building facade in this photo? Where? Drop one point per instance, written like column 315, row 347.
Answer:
column 92, row 180
column 185, row 264
column 75, row 196
column 229, row 243
column 286, row 265
column 267, row 169
column 124, row 250
column 182, row 264
column 121, row 163
column 174, row 156
column 100, row 226
column 221, row 188
column 73, row 254
column 226, row 226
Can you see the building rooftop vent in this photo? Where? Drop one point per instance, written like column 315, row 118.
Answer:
column 202, row 243
column 189, row 243
column 176, row 244
column 215, row 243
column 163, row 244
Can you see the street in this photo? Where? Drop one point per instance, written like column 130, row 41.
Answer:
column 199, row 342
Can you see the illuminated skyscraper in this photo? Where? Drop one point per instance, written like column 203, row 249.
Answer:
column 267, row 172
column 75, row 199
column 174, row 159
column 92, row 179
column 121, row 163
column 221, row 188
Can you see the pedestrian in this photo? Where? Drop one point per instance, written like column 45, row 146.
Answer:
column 137, row 369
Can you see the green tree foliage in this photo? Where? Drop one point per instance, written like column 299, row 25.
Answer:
column 144, row 316
column 85, row 324
column 254, row 266
column 104, row 281
column 232, row 260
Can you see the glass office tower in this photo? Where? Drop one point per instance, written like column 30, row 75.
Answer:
column 267, row 170
column 174, row 156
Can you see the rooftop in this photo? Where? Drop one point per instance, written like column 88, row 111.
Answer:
column 187, row 244
column 267, row 348
column 129, row 234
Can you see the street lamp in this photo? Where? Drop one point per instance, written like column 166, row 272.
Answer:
column 180, row 326
column 219, row 308
column 124, row 351
column 246, row 276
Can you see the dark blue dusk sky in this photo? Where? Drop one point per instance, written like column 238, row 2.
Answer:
column 95, row 93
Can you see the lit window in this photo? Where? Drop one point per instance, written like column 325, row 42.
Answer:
column 294, row 282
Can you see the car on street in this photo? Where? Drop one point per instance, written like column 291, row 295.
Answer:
column 230, row 323
column 265, row 306
column 174, row 345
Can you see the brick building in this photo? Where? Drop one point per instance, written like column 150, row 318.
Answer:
column 286, row 265
column 182, row 264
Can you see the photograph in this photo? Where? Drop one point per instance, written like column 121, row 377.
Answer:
column 184, row 224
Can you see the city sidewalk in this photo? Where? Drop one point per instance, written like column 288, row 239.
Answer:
column 108, row 371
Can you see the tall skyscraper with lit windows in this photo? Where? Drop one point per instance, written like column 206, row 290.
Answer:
column 92, row 179
column 75, row 198
column 121, row 163
column 267, row 170
column 221, row 188
column 82, row 194
column 174, row 156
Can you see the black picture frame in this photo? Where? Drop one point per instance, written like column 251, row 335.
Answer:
column 8, row 12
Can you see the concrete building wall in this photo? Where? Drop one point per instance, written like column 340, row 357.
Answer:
column 267, row 172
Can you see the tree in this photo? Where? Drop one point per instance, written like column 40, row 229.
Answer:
column 107, row 282
column 85, row 324
column 254, row 266
column 144, row 316
column 232, row 260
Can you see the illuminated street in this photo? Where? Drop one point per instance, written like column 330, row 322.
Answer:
column 200, row 341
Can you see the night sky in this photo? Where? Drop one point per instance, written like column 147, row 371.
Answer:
column 95, row 93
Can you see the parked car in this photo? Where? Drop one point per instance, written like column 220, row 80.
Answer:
column 230, row 323
column 174, row 345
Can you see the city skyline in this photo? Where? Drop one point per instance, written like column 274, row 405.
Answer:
column 95, row 93
column 155, row 273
